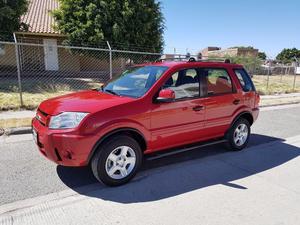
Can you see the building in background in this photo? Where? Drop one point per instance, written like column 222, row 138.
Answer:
column 229, row 52
column 40, row 31
column 40, row 52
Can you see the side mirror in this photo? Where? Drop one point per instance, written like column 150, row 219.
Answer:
column 166, row 95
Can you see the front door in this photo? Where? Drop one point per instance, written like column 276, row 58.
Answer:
column 179, row 122
column 50, row 54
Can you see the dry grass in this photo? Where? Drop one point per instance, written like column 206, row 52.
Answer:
column 277, row 84
column 36, row 90
column 11, row 101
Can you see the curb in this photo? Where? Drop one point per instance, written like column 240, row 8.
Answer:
column 17, row 131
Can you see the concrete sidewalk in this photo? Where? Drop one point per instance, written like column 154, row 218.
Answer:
column 257, row 186
column 281, row 96
column 280, row 99
column 17, row 114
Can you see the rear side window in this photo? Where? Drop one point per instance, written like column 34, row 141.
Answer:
column 218, row 81
column 245, row 80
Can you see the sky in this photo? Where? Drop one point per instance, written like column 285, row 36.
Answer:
column 270, row 26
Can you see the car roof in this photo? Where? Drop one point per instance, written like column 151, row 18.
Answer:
column 183, row 64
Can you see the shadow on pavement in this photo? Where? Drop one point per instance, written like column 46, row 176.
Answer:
column 187, row 171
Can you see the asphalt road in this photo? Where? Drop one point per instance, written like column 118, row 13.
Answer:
column 24, row 173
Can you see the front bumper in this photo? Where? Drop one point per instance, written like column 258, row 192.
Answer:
column 64, row 147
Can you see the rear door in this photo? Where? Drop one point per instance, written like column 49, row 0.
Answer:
column 221, row 100
column 249, row 92
column 181, row 121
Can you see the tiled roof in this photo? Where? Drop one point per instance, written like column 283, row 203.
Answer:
column 38, row 17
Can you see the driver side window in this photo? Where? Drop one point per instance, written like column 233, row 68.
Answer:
column 184, row 83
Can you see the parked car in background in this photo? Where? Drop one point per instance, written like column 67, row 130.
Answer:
column 150, row 108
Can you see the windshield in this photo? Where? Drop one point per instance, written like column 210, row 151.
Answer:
column 136, row 81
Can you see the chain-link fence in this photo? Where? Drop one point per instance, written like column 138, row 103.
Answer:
column 32, row 72
column 272, row 77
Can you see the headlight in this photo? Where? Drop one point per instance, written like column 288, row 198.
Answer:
column 66, row 120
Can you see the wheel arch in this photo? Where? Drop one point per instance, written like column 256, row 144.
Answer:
column 131, row 132
column 246, row 115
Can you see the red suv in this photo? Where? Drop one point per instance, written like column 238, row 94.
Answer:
column 149, row 108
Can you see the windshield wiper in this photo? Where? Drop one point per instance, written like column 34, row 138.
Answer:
column 112, row 92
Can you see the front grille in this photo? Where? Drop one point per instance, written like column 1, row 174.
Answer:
column 43, row 113
column 41, row 117
column 42, row 123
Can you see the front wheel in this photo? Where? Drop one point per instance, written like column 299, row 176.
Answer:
column 117, row 160
column 238, row 135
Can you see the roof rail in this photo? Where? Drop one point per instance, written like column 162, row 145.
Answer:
column 193, row 59
column 176, row 59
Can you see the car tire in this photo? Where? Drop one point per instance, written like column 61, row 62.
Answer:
column 238, row 135
column 117, row 160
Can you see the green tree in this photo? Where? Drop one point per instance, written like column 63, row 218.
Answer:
column 252, row 64
column 288, row 55
column 262, row 55
column 130, row 22
column 10, row 13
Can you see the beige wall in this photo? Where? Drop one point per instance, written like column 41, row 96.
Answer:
column 70, row 61
column 248, row 53
column 205, row 51
column 223, row 53
column 98, row 62
column 67, row 61
column 232, row 52
column 8, row 59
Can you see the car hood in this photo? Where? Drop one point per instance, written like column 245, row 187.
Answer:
column 83, row 101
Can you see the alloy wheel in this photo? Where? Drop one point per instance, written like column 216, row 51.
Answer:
column 240, row 134
column 120, row 162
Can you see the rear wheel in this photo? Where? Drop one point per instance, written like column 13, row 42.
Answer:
column 238, row 135
column 117, row 160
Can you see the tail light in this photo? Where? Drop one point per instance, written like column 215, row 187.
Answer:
column 257, row 100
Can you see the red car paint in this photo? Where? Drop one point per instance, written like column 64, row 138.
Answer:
column 160, row 126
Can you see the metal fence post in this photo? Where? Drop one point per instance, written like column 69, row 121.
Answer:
column 294, row 85
column 18, row 69
column 295, row 73
column 268, row 76
column 110, row 60
column 256, row 60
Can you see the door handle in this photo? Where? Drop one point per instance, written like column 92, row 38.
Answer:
column 198, row 108
column 236, row 101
